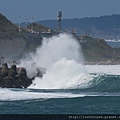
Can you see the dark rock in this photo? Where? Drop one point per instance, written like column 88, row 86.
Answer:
column 13, row 67
column 14, row 77
column 4, row 70
column 24, row 80
column 8, row 82
column 1, row 80
column 22, row 73
column 17, row 84
column 12, row 73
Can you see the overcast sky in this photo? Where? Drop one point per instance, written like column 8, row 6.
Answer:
column 47, row 9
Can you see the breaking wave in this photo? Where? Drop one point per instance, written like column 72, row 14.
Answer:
column 62, row 57
column 100, row 85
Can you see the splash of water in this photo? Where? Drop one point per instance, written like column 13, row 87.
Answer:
column 63, row 74
column 62, row 57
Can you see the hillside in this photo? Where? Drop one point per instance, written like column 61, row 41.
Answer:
column 7, row 28
column 101, row 27
column 38, row 27
column 6, row 25
column 97, row 50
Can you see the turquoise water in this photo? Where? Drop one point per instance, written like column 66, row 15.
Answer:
column 85, row 105
column 101, row 97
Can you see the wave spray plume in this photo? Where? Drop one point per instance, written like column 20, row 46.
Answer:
column 62, row 57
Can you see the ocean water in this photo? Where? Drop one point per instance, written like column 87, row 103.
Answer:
column 67, row 87
column 100, row 95
column 113, row 43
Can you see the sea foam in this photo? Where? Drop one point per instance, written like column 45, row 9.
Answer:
column 62, row 57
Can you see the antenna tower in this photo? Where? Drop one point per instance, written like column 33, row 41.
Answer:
column 59, row 16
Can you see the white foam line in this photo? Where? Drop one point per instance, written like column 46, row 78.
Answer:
column 112, row 40
column 9, row 95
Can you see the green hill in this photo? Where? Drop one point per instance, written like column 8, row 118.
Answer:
column 97, row 50
column 7, row 28
column 6, row 25
column 102, row 27
column 38, row 27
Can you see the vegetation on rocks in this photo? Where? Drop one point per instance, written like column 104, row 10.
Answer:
column 8, row 29
column 38, row 27
column 95, row 50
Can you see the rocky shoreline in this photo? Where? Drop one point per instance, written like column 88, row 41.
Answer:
column 14, row 77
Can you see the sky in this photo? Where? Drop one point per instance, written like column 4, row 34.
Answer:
column 47, row 9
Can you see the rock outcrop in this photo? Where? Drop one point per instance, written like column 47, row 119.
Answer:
column 14, row 77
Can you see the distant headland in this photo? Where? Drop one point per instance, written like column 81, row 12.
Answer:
column 95, row 50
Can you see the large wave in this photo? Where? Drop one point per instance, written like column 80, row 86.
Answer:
column 63, row 74
column 100, row 85
column 62, row 57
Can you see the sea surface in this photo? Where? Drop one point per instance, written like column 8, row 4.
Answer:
column 113, row 43
column 101, row 95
